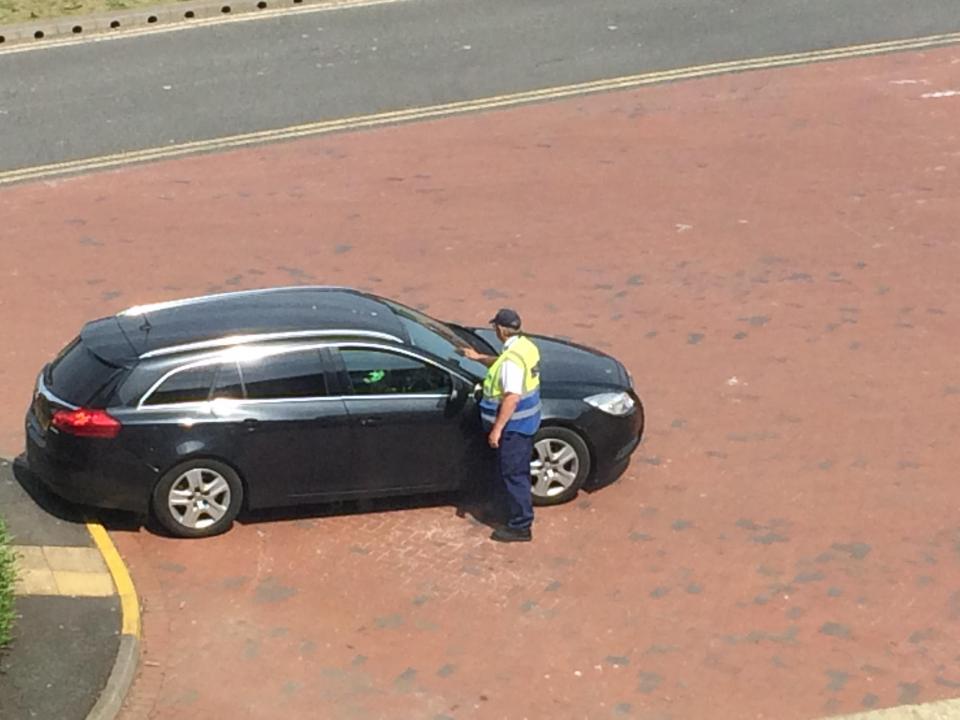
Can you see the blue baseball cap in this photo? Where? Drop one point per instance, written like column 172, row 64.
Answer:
column 507, row 318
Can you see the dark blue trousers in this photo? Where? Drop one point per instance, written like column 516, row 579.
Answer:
column 513, row 467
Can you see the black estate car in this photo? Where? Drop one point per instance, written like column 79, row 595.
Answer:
column 194, row 409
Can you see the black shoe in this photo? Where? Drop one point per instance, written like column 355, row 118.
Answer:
column 512, row 535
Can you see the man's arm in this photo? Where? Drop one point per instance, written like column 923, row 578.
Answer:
column 507, row 407
column 472, row 354
column 511, row 381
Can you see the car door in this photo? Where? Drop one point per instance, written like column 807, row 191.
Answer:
column 294, row 437
column 416, row 425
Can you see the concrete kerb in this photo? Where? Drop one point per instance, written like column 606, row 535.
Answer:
column 40, row 31
column 125, row 666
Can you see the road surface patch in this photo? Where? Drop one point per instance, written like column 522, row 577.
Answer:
column 408, row 115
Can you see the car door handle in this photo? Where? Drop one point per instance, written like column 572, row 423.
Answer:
column 251, row 424
column 370, row 421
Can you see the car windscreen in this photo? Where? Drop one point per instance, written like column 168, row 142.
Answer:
column 436, row 338
column 77, row 375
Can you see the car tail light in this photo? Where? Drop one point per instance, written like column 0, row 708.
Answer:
column 86, row 423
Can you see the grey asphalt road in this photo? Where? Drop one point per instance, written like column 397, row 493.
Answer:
column 88, row 100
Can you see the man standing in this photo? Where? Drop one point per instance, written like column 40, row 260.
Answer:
column 510, row 410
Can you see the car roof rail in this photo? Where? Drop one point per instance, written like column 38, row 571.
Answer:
column 167, row 304
column 232, row 340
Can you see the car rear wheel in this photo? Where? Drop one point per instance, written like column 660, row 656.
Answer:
column 559, row 467
column 198, row 498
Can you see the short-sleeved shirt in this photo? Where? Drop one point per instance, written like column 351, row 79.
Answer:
column 511, row 372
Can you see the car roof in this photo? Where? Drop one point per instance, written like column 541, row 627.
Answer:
column 228, row 318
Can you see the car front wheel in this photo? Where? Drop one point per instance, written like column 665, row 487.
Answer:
column 198, row 498
column 559, row 467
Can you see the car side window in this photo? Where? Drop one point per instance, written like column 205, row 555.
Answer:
column 377, row 372
column 287, row 375
column 189, row 385
column 228, row 384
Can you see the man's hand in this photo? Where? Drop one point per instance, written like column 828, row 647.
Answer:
column 494, row 437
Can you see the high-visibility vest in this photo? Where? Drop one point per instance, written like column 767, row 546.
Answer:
column 526, row 416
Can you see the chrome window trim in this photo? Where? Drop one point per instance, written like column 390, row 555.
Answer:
column 197, row 299
column 209, row 405
column 233, row 340
column 187, row 405
column 398, row 396
column 43, row 390
column 275, row 401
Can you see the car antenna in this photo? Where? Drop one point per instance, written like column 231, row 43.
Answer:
column 146, row 326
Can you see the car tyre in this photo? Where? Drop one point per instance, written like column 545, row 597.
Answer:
column 198, row 498
column 560, row 465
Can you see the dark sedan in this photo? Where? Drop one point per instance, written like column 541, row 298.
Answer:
column 197, row 408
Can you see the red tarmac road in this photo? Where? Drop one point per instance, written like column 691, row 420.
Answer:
column 775, row 257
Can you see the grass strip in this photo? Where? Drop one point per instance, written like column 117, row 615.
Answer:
column 20, row 11
column 7, row 576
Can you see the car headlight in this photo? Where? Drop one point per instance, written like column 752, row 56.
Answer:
column 614, row 403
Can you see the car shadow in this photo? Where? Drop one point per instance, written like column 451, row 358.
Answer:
column 66, row 511
column 473, row 506
column 476, row 505
column 480, row 505
column 44, row 499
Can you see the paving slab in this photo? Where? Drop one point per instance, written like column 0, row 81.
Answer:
column 772, row 254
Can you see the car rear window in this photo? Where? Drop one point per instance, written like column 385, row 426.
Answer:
column 77, row 375
column 191, row 384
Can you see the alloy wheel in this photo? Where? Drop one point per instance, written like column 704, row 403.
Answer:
column 554, row 467
column 199, row 498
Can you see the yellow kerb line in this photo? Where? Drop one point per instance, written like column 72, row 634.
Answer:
column 121, row 579
column 455, row 108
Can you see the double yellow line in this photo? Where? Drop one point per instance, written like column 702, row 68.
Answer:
column 456, row 108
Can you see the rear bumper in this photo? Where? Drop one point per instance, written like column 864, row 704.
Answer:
column 88, row 472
